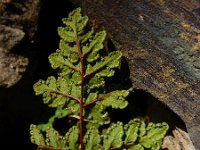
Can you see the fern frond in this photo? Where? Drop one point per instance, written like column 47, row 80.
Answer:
column 56, row 93
column 154, row 135
column 131, row 131
column 79, row 92
column 94, row 47
column 113, row 136
column 54, row 139
column 116, row 99
column 92, row 139
column 104, row 68
column 72, row 138
column 97, row 116
column 59, row 61
column 36, row 136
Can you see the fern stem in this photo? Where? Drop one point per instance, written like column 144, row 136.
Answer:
column 96, row 70
column 65, row 95
column 93, row 102
column 96, row 100
column 78, row 118
column 81, row 56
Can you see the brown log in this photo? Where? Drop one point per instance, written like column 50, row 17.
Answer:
column 161, row 41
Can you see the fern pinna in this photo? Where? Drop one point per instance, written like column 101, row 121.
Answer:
column 78, row 92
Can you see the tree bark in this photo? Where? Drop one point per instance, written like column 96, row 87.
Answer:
column 161, row 42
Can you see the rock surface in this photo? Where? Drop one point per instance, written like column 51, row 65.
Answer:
column 11, row 68
column 161, row 42
column 179, row 141
column 18, row 22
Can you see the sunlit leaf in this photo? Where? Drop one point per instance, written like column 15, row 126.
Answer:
column 36, row 136
column 131, row 131
column 72, row 138
column 154, row 135
column 92, row 139
column 136, row 147
column 113, row 137
column 58, row 61
column 66, row 35
column 94, row 46
column 98, row 116
column 116, row 99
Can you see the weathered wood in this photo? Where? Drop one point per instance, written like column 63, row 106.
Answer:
column 161, row 41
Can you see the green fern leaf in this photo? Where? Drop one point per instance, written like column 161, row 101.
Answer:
column 64, row 85
column 72, row 138
column 76, row 78
column 136, row 147
column 116, row 99
column 73, row 107
column 68, row 51
column 85, row 37
column 154, row 135
column 58, row 101
column 92, row 139
column 81, row 23
column 113, row 137
column 53, row 138
column 58, row 61
column 61, row 113
column 65, row 71
column 113, row 59
column 44, row 126
column 106, row 72
column 76, row 21
column 97, row 116
column 45, row 86
column 91, row 97
column 66, row 34
column 142, row 129
column 66, row 48
column 56, row 93
column 95, row 83
column 94, row 47
column 76, row 91
column 131, row 131
column 104, row 68
column 47, row 89
column 36, row 136
column 110, row 62
column 69, row 88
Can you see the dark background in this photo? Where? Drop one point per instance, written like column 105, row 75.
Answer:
column 19, row 107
